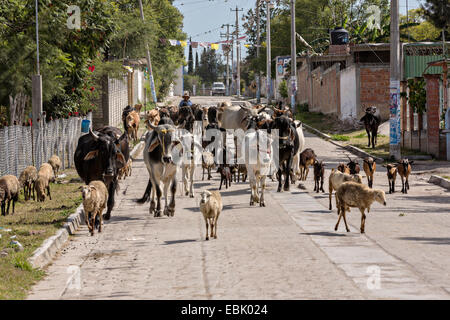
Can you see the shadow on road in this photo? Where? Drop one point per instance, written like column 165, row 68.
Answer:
column 324, row 234
column 166, row 243
column 427, row 240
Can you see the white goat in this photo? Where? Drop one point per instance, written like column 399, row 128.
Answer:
column 296, row 159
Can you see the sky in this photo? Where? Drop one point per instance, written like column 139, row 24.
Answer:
column 203, row 18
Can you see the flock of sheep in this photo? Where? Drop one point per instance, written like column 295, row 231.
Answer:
column 35, row 184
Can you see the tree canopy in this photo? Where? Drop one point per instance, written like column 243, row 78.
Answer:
column 73, row 61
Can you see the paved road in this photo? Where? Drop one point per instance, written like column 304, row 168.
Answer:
column 287, row 250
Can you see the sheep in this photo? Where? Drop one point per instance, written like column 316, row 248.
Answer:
column 342, row 167
column 336, row 178
column 95, row 198
column 404, row 170
column 225, row 175
column 319, row 171
column 9, row 191
column 27, row 179
column 55, row 162
column 353, row 165
column 211, row 207
column 207, row 163
column 369, row 167
column 45, row 176
column 356, row 195
column 392, row 175
column 307, row 158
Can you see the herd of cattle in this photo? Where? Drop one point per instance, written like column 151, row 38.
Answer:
column 102, row 157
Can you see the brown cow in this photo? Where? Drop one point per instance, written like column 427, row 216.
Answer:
column 152, row 116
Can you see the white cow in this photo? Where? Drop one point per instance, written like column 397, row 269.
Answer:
column 259, row 157
column 296, row 160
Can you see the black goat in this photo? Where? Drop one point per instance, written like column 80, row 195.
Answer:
column 371, row 122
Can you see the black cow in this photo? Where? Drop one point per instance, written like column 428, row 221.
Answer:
column 371, row 122
column 98, row 157
column 289, row 143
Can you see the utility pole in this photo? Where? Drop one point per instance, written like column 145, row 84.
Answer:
column 258, row 45
column 227, row 35
column 36, row 81
column 293, row 58
column 269, row 58
column 394, row 108
column 149, row 61
column 238, row 48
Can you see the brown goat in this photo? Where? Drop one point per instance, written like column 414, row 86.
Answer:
column 392, row 175
column 307, row 159
column 355, row 195
column 319, row 172
column 138, row 108
column 152, row 116
column 404, row 170
column 132, row 121
column 369, row 167
column 342, row 167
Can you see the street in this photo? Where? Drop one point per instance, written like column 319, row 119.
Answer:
column 286, row 250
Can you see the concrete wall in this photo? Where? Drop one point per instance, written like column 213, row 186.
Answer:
column 325, row 90
column 303, row 85
column 349, row 93
column 374, row 89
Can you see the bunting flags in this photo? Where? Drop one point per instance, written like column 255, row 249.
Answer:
column 195, row 44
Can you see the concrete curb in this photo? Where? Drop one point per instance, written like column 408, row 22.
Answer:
column 360, row 153
column 44, row 255
column 440, row 181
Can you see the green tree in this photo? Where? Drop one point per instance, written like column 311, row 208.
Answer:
column 190, row 61
column 210, row 67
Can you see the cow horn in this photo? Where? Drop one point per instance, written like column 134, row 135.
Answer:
column 262, row 109
column 244, row 107
column 152, row 126
column 93, row 135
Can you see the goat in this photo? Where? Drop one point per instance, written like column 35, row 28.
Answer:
column 319, row 171
column 55, row 162
column 27, row 179
column 225, row 175
column 342, row 167
column 369, row 167
column 152, row 116
column 307, row 159
column 95, row 199
column 351, row 194
column 211, row 207
column 336, row 179
column 371, row 121
column 42, row 184
column 9, row 191
column 404, row 170
column 392, row 175
column 353, row 165
column 138, row 108
column 132, row 121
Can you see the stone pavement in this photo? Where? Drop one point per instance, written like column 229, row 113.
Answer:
column 287, row 250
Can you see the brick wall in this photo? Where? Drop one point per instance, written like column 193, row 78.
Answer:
column 374, row 89
column 432, row 88
column 303, row 85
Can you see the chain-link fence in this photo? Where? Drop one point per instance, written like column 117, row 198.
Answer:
column 21, row 146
